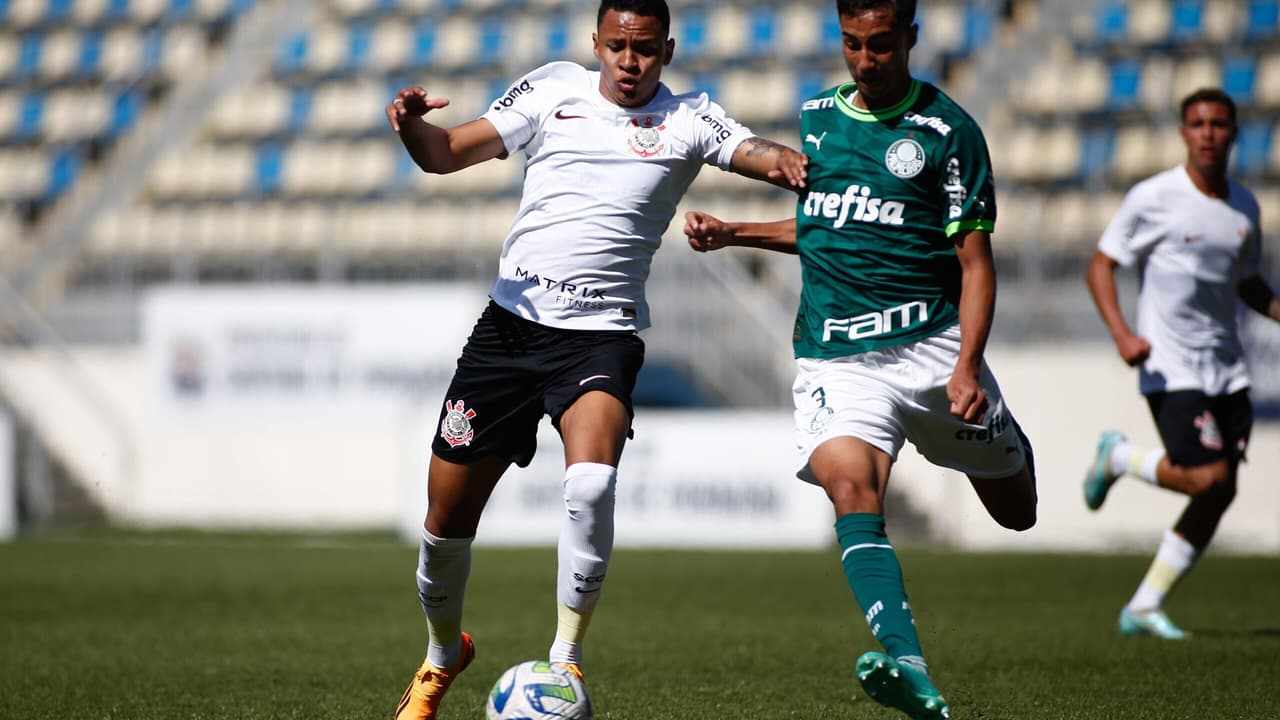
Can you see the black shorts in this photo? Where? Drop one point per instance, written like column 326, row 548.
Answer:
column 1198, row 429
column 513, row 371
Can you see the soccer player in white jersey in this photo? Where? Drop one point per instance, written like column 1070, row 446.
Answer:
column 609, row 154
column 1194, row 236
column 896, row 305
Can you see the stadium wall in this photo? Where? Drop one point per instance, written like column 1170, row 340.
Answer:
column 334, row 436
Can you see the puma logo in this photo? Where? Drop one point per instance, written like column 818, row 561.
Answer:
column 817, row 141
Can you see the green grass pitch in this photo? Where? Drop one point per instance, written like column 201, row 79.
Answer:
column 144, row 626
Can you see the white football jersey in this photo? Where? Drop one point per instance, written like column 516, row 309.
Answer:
column 1192, row 251
column 601, row 185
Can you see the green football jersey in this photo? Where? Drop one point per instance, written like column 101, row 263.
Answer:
column 887, row 192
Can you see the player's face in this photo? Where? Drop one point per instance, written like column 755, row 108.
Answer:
column 876, row 49
column 632, row 50
column 1208, row 133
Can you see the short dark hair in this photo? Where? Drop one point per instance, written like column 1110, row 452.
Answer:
column 904, row 11
column 644, row 8
column 1209, row 95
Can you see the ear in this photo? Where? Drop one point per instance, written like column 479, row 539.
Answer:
column 670, row 52
column 595, row 45
column 913, row 35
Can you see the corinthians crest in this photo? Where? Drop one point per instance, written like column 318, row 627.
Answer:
column 646, row 140
column 456, row 427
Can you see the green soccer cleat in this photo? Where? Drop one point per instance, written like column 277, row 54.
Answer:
column 1098, row 481
column 1150, row 622
column 898, row 685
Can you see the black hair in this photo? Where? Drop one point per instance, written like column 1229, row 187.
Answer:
column 644, row 8
column 904, row 11
column 1209, row 95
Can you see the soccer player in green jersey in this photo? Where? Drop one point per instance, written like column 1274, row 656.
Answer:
column 893, row 233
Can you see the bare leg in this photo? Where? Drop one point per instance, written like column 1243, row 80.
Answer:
column 1011, row 501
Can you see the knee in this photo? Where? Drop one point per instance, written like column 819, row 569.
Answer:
column 851, row 496
column 587, row 485
column 1215, row 480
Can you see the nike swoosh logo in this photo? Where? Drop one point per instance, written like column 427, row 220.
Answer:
column 585, row 591
column 561, row 116
column 584, row 381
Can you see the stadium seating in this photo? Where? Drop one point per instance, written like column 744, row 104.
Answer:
column 1085, row 108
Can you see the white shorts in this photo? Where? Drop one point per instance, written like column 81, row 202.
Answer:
column 885, row 397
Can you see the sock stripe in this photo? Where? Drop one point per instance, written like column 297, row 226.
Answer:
column 863, row 546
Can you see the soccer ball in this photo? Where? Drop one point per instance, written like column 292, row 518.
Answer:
column 538, row 690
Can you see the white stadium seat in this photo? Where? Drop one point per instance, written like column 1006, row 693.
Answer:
column 1149, row 21
column 25, row 13
column 1268, row 84
column 59, row 54
column 184, row 52
column 327, row 48
column 457, row 40
column 87, row 12
column 727, row 31
column 392, row 39
column 75, row 114
column 122, row 53
column 800, row 27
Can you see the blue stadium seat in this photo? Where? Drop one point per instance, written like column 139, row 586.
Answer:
column 1253, row 148
column 293, row 52
column 492, row 36
column 299, row 107
column 64, row 167
column 268, row 168
column 359, row 42
column 1187, row 18
column 808, row 84
column 832, row 37
column 557, row 36
column 29, row 54
column 1238, row 78
column 180, row 8
column 979, row 27
column 30, row 115
column 152, row 50
column 57, row 11
column 1112, row 22
column 1125, row 78
column 90, row 53
column 424, row 43
column 236, row 7
column 706, row 82
column 763, row 29
column 1262, row 19
column 1097, row 146
column 125, row 111
column 693, row 41
column 116, row 9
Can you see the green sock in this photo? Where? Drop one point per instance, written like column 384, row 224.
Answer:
column 874, row 575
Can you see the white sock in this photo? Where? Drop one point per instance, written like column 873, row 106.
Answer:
column 443, row 567
column 586, row 543
column 1173, row 560
column 1127, row 459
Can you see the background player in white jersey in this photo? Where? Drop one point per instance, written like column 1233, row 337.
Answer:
column 896, row 305
column 609, row 155
column 1193, row 234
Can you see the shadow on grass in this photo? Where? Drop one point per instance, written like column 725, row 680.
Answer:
column 1219, row 633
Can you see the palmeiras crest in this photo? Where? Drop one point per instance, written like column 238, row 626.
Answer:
column 646, row 141
column 456, row 427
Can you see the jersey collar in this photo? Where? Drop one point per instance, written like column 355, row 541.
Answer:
column 844, row 95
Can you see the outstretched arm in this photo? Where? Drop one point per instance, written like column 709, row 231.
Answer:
column 1258, row 295
column 436, row 149
column 977, row 308
column 763, row 159
column 707, row 232
column 1101, row 279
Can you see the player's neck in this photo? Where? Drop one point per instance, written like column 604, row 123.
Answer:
column 889, row 99
column 1213, row 184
